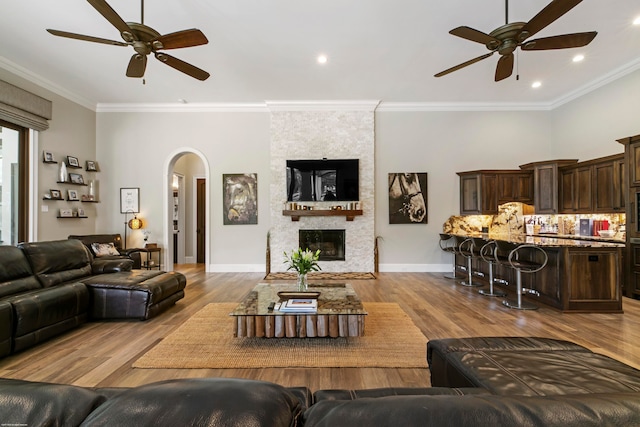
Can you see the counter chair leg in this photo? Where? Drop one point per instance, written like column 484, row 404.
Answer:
column 524, row 266
column 452, row 249
column 469, row 255
column 486, row 252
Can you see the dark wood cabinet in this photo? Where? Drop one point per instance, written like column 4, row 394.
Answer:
column 576, row 189
column 482, row 191
column 609, row 185
column 546, row 184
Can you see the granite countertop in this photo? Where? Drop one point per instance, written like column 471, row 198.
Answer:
column 548, row 241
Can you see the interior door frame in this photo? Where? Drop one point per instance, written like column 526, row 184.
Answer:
column 168, row 206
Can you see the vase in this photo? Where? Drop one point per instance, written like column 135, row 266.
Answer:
column 302, row 282
column 62, row 174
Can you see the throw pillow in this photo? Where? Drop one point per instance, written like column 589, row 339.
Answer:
column 104, row 249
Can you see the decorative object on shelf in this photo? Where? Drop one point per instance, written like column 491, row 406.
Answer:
column 81, row 213
column 72, row 162
column 62, row 173
column 76, row 178
column 147, row 234
column 129, row 200
column 92, row 190
column 92, row 166
column 408, row 198
column 72, row 195
column 240, row 200
column 302, row 262
column 47, row 157
column 66, row 213
column 55, row 194
column 134, row 223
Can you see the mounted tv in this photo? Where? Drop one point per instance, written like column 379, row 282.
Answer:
column 323, row 180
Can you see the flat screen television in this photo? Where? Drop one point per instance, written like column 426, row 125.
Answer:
column 323, row 180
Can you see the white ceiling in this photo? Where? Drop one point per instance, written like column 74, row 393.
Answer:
column 259, row 50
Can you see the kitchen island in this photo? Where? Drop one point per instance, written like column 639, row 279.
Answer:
column 580, row 276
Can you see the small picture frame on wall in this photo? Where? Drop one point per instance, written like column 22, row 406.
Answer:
column 55, row 194
column 76, row 178
column 130, row 200
column 92, row 166
column 81, row 213
column 72, row 195
column 66, row 213
column 47, row 157
column 73, row 162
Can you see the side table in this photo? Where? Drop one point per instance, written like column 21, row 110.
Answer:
column 149, row 261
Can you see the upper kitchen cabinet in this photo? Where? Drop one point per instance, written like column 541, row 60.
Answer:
column 576, row 189
column 545, row 184
column 609, row 184
column 482, row 191
column 633, row 158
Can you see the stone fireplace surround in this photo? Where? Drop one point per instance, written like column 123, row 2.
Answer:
column 343, row 133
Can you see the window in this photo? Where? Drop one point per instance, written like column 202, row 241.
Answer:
column 14, row 185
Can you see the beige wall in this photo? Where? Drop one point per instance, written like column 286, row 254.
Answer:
column 133, row 150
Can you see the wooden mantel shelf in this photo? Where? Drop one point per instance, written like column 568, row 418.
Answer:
column 349, row 214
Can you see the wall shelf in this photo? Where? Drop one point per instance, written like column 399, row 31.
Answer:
column 296, row 214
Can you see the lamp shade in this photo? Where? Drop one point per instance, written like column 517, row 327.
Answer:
column 135, row 223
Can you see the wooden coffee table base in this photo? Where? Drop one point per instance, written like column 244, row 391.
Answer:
column 300, row 325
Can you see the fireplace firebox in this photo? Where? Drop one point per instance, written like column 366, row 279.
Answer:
column 330, row 242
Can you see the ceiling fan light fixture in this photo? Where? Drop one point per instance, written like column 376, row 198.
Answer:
column 536, row 84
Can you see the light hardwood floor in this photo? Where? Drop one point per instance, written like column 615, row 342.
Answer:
column 101, row 353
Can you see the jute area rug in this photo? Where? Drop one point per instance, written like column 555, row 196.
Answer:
column 321, row 275
column 206, row 341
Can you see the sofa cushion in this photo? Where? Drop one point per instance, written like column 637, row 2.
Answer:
column 104, row 249
column 24, row 403
column 527, row 366
column 202, row 401
column 58, row 261
column 6, row 328
column 15, row 272
column 337, row 394
column 587, row 410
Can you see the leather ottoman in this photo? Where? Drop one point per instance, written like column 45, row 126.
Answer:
column 136, row 294
column 523, row 366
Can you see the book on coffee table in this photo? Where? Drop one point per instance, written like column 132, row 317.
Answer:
column 299, row 305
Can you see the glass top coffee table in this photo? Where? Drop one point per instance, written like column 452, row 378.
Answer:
column 340, row 313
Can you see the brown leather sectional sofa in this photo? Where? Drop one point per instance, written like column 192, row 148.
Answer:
column 47, row 288
column 508, row 383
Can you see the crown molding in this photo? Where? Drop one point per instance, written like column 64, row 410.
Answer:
column 364, row 105
column 460, row 106
column 34, row 78
column 614, row 75
column 218, row 107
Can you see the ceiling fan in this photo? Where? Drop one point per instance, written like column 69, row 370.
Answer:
column 507, row 38
column 145, row 40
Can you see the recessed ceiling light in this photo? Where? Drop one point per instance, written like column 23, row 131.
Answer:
column 578, row 58
column 536, row 85
column 322, row 59
column 636, row 21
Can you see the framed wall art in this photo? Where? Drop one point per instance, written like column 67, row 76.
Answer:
column 73, row 162
column 408, row 198
column 240, row 198
column 72, row 195
column 76, row 178
column 130, row 200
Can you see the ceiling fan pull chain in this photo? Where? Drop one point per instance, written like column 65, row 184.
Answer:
column 142, row 12
column 517, row 64
column 506, row 12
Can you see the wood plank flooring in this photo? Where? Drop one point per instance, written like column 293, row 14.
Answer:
column 101, row 353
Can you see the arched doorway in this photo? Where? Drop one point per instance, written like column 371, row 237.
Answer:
column 190, row 164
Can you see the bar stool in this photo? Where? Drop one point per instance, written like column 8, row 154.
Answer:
column 448, row 244
column 487, row 253
column 522, row 258
column 467, row 249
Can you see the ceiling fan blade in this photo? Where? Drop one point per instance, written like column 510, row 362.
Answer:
column 85, row 38
column 179, row 39
column 505, row 67
column 546, row 16
column 564, row 41
column 182, row 66
column 110, row 15
column 464, row 64
column 473, row 35
column 137, row 65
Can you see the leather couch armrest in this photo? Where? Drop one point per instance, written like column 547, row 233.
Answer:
column 101, row 266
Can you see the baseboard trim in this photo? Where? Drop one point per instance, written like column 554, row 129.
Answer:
column 414, row 268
